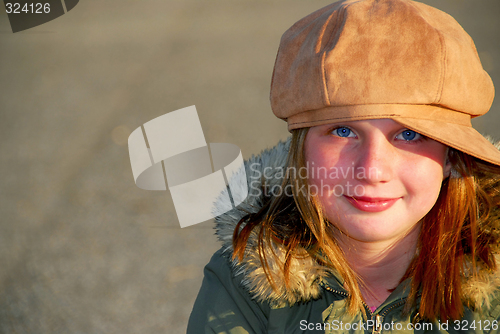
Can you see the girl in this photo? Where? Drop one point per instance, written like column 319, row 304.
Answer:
column 380, row 214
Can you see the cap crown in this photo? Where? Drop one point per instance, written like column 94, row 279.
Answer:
column 362, row 52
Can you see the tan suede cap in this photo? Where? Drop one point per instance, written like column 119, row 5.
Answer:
column 398, row 59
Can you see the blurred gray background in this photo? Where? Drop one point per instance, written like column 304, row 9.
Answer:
column 82, row 249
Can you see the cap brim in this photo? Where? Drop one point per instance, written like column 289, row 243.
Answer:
column 450, row 127
column 460, row 137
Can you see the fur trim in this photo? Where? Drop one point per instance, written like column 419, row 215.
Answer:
column 479, row 290
column 267, row 171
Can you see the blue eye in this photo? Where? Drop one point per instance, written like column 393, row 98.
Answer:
column 408, row 135
column 343, row 132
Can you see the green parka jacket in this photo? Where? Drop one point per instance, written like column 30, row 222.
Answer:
column 237, row 298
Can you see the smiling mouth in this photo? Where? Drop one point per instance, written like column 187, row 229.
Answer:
column 371, row 204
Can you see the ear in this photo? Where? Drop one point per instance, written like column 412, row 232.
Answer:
column 447, row 165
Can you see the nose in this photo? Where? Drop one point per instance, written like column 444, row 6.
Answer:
column 375, row 160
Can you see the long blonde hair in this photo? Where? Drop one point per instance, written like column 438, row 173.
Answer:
column 459, row 234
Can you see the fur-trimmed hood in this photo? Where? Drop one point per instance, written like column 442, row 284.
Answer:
column 307, row 277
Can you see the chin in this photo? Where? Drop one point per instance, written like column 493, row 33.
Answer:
column 370, row 237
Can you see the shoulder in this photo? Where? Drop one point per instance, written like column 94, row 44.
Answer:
column 482, row 292
column 491, row 304
column 264, row 171
column 223, row 304
column 222, row 273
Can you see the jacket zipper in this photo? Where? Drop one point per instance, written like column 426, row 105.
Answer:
column 378, row 318
column 336, row 291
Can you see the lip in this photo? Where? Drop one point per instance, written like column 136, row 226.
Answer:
column 372, row 204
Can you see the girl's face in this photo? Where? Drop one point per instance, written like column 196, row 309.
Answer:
column 375, row 179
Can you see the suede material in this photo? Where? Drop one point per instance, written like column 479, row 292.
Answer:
column 353, row 58
column 377, row 111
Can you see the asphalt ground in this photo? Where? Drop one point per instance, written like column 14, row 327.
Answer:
column 82, row 249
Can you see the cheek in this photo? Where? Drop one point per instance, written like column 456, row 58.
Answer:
column 325, row 166
column 423, row 184
column 423, row 173
column 325, row 178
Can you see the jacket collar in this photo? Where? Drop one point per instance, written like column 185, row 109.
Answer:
column 307, row 277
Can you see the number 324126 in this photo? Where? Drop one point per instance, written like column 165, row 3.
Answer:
column 465, row 325
column 34, row 8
